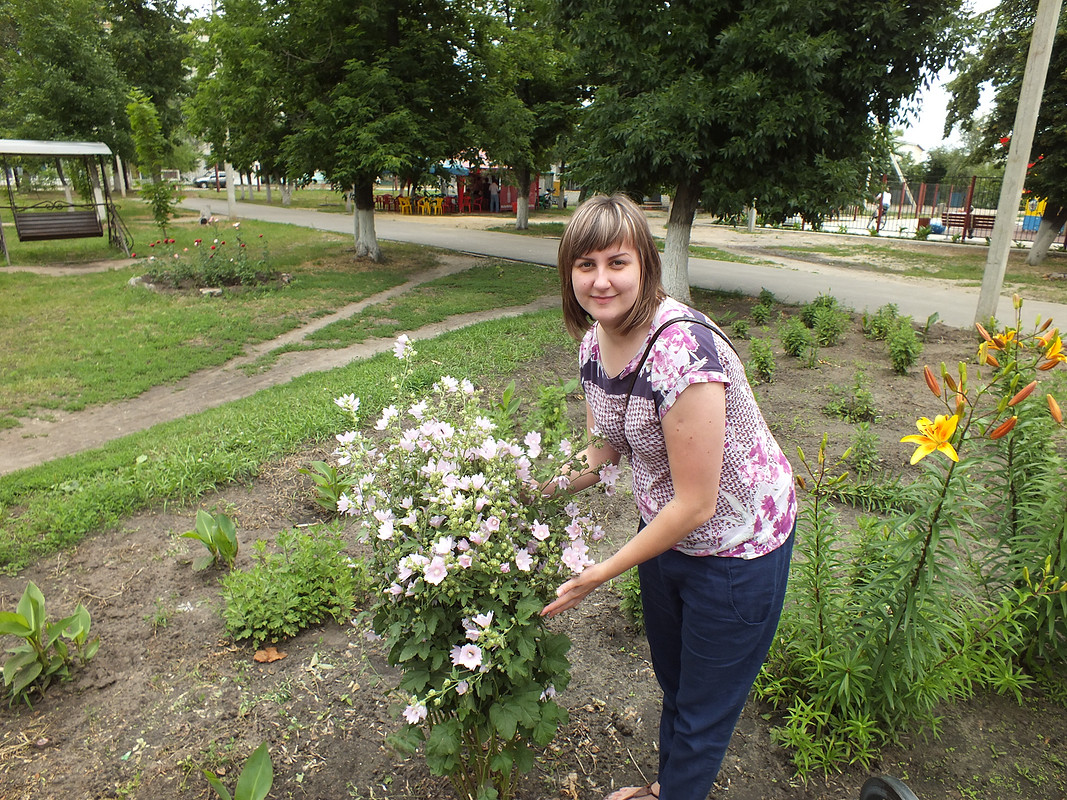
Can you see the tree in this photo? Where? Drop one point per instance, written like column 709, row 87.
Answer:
column 1001, row 61
column 152, row 147
column 59, row 80
column 726, row 102
column 374, row 87
column 148, row 45
column 531, row 92
column 237, row 104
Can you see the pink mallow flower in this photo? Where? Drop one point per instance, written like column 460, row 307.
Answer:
column 523, row 560
column 435, row 571
column 415, row 712
column 540, row 530
column 467, row 655
column 574, row 556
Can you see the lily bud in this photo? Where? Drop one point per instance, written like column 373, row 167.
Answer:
column 1048, row 365
column 1016, row 301
column 1044, row 327
column 983, row 332
column 1003, row 428
column 1023, row 393
column 963, row 376
column 1054, row 409
column 931, row 381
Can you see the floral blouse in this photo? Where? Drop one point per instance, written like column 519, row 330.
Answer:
column 756, row 504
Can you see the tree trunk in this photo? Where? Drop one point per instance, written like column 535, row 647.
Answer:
column 1046, row 235
column 64, row 183
column 684, row 202
column 363, row 222
column 268, row 190
column 286, row 188
column 522, row 201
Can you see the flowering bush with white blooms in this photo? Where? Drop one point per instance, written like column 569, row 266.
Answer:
column 466, row 551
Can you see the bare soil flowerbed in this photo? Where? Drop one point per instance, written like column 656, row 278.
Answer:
column 168, row 694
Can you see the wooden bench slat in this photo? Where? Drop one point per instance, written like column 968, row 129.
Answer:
column 44, row 225
column 957, row 219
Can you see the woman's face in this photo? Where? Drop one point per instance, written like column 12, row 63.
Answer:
column 607, row 283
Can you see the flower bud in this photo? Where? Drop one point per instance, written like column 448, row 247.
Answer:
column 983, row 332
column 931, row 381
column 1016, row 301
column 1003, row 428
column 1054, row 409
column 1023, row 393
column 1048, row 365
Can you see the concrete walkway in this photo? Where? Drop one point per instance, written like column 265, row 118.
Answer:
column 791, row 280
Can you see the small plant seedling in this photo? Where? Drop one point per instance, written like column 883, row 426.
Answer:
column 218, row 533
column 329, row 486
column 255, row 779
column 46, row 649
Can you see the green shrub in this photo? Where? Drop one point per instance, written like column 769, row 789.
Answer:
column 761, row 365
column 761, row 313
column 630, row 598
column 797, row 340
column 904, row 346
column 829, row 325
column 863, row 453
column 807, row 313
column 740, row 329
column 310, row 579
column 858, row 403
column 549, row 417
column 879, row 326
column 766, row 297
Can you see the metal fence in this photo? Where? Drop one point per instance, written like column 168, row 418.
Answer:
column 963, row 211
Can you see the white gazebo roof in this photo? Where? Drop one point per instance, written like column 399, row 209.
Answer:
column 34, row 147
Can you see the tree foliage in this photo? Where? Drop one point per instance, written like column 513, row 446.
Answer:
column 59, row 79
column 723, row 103
column 530, row 97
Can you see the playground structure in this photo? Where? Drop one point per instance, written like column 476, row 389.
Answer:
column 963, row 211
column 53, row 219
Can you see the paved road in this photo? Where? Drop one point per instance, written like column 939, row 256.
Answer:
column 792, row 281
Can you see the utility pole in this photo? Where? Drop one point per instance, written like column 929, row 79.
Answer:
column 1022, row 139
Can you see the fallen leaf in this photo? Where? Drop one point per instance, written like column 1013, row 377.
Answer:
column 269, row 655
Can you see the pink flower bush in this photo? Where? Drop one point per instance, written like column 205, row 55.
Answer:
column 465, row 551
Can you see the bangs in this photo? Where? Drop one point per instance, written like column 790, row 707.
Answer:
column 604, row 227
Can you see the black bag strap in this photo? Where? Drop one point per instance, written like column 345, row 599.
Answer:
column 707, row 324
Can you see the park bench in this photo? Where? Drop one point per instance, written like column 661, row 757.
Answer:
column 959, row 219
column 37, row 226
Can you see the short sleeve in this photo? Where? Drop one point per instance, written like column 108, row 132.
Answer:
column 684, row 354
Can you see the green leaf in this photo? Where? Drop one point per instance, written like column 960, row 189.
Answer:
column 203, row 562
column 12, row 624
column 31, row 606
column 504, row 720
column 22, row 677
column 216, row 784
column 257, row 775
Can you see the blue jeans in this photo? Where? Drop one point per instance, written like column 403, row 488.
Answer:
column 494, row 203
column 710, row 622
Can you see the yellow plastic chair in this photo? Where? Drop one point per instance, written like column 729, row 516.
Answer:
column 404, row 205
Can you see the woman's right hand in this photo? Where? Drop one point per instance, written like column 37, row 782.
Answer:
column 574, row 591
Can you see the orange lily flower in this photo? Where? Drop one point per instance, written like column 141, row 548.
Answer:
column 934, row 436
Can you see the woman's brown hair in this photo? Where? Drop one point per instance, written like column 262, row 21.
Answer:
column 599, row 223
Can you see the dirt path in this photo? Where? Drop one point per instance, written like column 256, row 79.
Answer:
column 58, row 434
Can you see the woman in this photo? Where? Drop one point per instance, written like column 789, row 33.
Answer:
column 713, row 488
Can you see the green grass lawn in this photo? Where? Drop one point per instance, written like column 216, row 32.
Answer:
column 51, row 507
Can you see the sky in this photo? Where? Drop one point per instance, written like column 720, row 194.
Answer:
column 927, row 128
